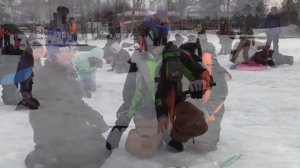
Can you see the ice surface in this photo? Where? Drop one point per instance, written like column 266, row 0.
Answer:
column 261, row 121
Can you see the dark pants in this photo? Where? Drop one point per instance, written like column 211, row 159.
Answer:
column 74, row 36
column 163, row 40
column 26, row 87
column 275, row 39
column 156, row 41
column 1, row 42
column 6, row 41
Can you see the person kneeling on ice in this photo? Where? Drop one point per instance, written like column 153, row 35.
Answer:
column 67, row 132
column 178, row 119
column 86, row 66
column 139, row 96
column 212, row 102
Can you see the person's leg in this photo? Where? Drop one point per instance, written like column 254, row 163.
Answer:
column 246, row 49
column 120, row 127
column 8, row 40
column 208, row 141
column 145, row 44
column 165, row 40
column 5, row 41
column 27, row 101
column 276, row 44
column 237, row 51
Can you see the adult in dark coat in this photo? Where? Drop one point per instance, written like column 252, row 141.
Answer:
column 272, row 27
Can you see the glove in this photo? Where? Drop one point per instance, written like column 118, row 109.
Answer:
column 114, row 137
column 196, row 89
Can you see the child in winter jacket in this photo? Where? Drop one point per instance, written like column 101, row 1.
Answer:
column 24, row 78
column 139, row 97
column 67, row 132
column 86, row 66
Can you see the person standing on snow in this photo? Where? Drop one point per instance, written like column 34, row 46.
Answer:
column 226, row 36
column 163, row 30
column 24, row 78
column 73, row 28
column 86, row 66
column 273, row 30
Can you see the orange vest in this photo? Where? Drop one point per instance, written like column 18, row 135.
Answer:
column 73, row 28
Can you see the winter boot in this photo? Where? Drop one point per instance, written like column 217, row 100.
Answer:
column 35, row 101
column 174, row 146
column 26, row 104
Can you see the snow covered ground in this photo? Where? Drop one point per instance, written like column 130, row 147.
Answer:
column 261, row 121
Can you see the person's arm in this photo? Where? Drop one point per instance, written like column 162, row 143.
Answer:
column 199, row 48
column 195, row 72
column 161, row 107
column 136, row 98
column 191, row 69
column 160, row 104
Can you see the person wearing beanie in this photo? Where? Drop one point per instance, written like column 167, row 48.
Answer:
column 67, row 131
column 86, row 66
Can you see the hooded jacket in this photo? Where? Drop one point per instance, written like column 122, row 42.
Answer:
column 188, row 67
column 82, row 64
column 63, row 115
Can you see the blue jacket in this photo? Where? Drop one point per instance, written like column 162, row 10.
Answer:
column 272, row 21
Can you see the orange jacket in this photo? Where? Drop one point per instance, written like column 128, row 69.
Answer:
column 73, row 28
